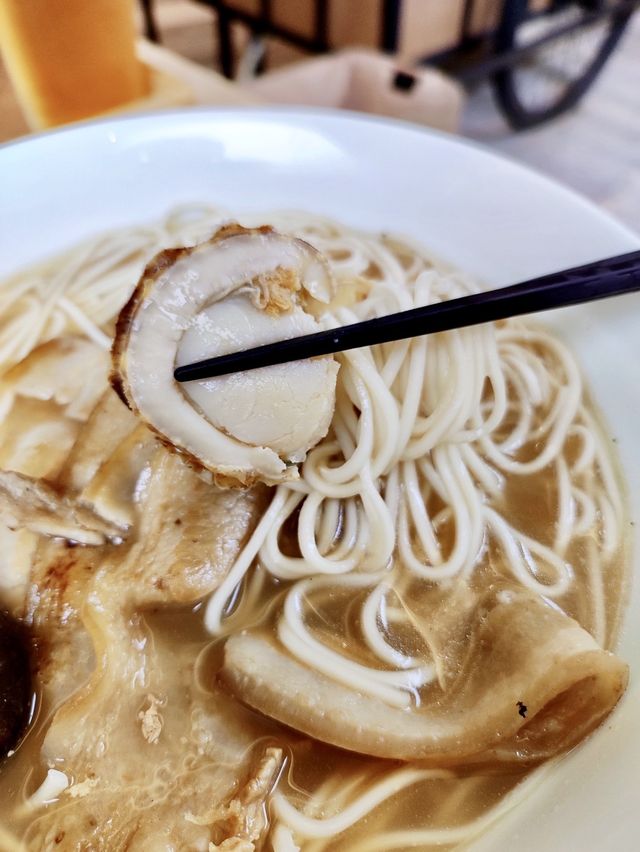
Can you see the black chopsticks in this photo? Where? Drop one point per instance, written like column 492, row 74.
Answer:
column 601, row 279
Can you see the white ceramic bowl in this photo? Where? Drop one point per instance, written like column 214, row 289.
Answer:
column 482, row 212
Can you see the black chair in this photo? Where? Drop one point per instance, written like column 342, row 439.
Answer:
column 501, row 55
column 262, row 24
column 151, row 30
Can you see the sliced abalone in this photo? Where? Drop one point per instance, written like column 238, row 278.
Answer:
column 243, row 288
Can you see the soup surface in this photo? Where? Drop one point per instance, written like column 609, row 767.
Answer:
column 387, row 652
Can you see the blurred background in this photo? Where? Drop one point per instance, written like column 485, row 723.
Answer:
column 553, row 83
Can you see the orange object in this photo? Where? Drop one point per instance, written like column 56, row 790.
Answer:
column 70, row 59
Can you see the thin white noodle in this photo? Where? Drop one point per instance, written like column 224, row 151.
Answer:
column 393, row 687
column 218, row 600
column 84, row 323
column 463, row 834
column 282, row 840
column 520, row 551
column 585, row 512
column 596, row 598
column 566, row 522
column 372, row 611
column 375, row 795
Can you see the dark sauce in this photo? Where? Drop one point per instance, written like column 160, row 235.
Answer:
column 16, row 687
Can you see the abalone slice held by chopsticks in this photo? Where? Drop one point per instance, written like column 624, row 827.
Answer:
column 243, row 288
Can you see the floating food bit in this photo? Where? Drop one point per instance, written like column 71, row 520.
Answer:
column 243, row 820
column 151, row 719
column 15, row 684
column 32, row 504
column 243, row 288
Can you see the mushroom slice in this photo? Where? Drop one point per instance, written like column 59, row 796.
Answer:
column 242, row 288
column 108, row 425
column 32, row 504
column 71, row 371
column 532, row 685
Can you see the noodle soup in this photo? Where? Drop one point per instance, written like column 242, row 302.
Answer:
column 387, row 652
